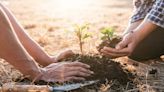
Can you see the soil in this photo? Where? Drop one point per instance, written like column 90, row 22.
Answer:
column 109, row 43
column 103, row 68
column 153, row 71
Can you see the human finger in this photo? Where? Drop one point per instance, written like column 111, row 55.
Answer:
column 115, row 51
column 77, row 73
column 65, row 54
column 80, row 69
column 112, row 55
column 122, row 44
column 111, row 50
column 78, row 64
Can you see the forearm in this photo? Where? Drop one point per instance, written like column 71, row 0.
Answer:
column 144, row 29
column 30, row 45
column 132, row 26
column 12, row 51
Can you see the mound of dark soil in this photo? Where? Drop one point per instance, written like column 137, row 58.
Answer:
column 103, row 68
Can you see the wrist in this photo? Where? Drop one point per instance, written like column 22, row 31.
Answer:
column 34, row 73
column 144, row 29
column 45, row 60
column 27, row 67
column 34, row 70
column 138, row 36
column 38, row 75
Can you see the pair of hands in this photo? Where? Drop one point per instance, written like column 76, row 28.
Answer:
column 65, row 71
column 124, row 48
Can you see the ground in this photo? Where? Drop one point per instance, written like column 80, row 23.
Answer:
column 51, row 24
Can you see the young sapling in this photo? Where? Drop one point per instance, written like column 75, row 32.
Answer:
column 82, row 34
column 108, row 38
column 108, row 33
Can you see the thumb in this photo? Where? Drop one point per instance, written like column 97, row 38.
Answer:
column 121, row 45
column 64, row 55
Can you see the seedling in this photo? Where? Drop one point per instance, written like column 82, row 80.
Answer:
column 108, row 33
column 109, row 39
column 82, row 34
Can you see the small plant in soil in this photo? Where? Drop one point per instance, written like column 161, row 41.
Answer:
column 105, row 70
column 109, row 39
column 82, row 34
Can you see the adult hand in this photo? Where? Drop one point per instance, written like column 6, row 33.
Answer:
column 63, row 55
column 124, row 48
column 65, row 71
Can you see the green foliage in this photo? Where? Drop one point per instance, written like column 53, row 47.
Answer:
column 81, row 31
column 86, row 35
column 108, row 33
column 82, row 34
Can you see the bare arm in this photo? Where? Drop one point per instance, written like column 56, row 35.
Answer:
column 30, row 45
column 12, row 51
column 144, row 29
column 131, row 40
column 132, row 26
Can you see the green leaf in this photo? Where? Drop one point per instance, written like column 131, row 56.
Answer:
column 104, row 38
column 104, row 31
column 109, row 32
column 84, row 27
column 87, row 35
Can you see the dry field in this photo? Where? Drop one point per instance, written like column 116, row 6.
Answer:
column 51, row 22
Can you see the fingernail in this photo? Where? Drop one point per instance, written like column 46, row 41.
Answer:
column 92, row 72
column 88, row 66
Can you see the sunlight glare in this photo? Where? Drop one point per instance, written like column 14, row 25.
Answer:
column 72, row 4
column 71, row 9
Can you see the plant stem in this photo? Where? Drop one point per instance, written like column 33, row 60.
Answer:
column 109, row 37
column 81, row 47
column 80, row 42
